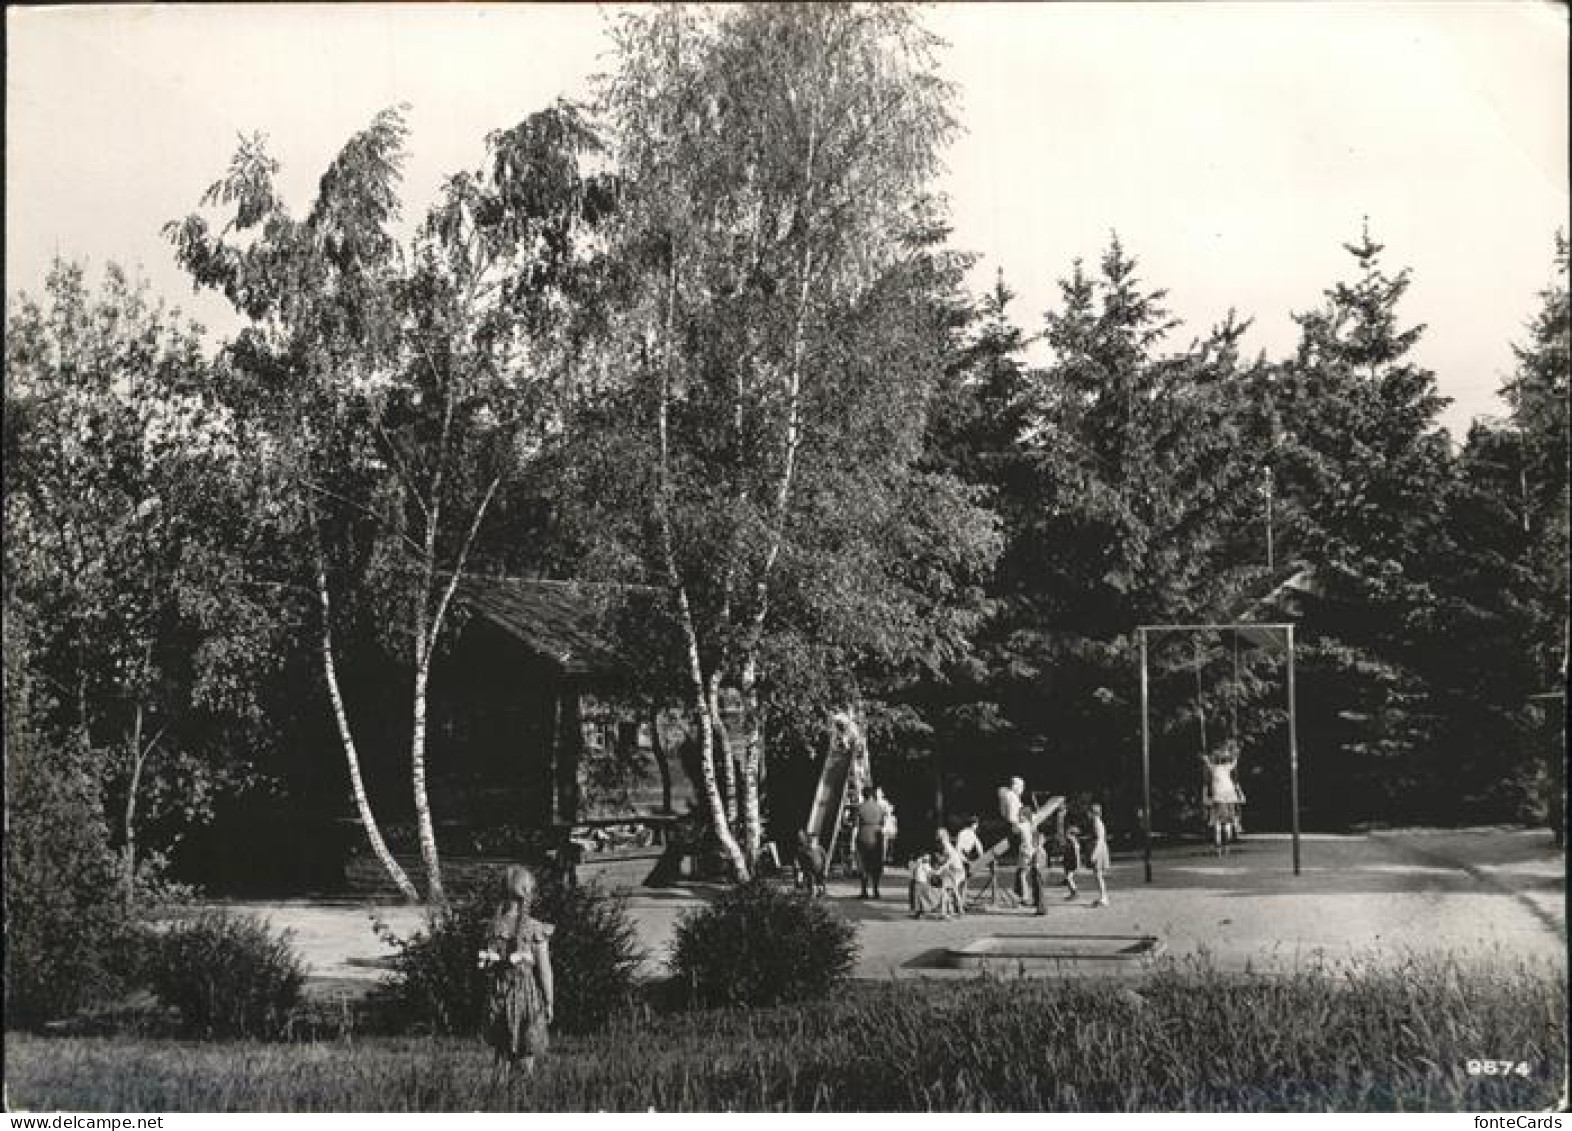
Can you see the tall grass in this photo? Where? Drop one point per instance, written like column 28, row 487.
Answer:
column 1328, row 1037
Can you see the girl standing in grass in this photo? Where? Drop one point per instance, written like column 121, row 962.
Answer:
column 521, row 999
column 1100, row 859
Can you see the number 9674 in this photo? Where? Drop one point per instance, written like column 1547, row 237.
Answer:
column 1497, row 1067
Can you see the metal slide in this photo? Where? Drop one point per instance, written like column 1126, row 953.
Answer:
column 829, row 800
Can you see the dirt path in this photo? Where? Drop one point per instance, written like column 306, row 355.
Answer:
column 1380, row 898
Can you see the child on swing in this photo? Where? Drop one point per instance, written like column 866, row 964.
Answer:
column 1221, row 796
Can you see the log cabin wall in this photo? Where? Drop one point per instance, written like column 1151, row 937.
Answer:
column 538, row 723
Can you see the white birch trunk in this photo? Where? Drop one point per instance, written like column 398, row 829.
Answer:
column 346, row 739
column 707, row 728
column 426, row 634
column 137, row 758
column 753, row 754
column 417, row 776
column 725, row 756
column 696, row 678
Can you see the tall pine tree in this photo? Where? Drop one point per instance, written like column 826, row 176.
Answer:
column 1366, row 467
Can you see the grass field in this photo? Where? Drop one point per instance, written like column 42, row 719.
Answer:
column 1184, row 1038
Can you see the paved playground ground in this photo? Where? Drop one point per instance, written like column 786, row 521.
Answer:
column 1496, row 894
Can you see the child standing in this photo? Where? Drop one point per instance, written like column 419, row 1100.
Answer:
column 1071, row 859
column 952, row 876
column 921, row 894
column 812, row 865
column 890, row 826
column 520, row 998
column 969, row 844
column 1040, row 876
column 1026, row 838
column 1100, row 859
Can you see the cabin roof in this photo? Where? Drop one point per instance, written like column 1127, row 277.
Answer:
column 570, row 625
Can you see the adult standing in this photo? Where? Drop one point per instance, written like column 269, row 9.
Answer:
column 1012, row 808
column 1010, row 801
column 870, row 841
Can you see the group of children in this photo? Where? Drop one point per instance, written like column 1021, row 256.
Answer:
column 1034, row 848
column 938, row 879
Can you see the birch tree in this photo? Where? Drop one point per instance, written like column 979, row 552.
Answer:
column 401, row 381
column 776, row 158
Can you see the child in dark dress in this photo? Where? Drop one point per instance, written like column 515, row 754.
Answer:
column 1071, row 859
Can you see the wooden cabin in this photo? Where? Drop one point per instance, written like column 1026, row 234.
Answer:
column 542, row 718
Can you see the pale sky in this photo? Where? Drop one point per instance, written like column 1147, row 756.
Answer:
column 1233, row 146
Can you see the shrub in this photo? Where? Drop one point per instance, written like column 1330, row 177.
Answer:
column 595, row 960
column 759, row 944
column 595, row 954
column 65, row 922
column 227, row 975
column 436, row 983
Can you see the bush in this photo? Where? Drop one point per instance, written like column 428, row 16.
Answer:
column 759, row 944
column 227, row 975
column 436, row 984
column 595, row 954
column 595, row 960
column 65, row 923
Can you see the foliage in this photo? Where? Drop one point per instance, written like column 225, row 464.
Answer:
column 1126, row 485
column 760, row 944
column 436, row 982
column 127, row 532
column 395, row 390
column 1538, row 396
column 595, row 958
column 1365, row 472
column 779, row 330
column 228, row 975
column 1322, row 1038
column 596, row 955
column 65, row 919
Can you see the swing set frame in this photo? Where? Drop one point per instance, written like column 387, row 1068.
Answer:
column 1275, row 635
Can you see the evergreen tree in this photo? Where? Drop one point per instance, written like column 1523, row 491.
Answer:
column 1124, row 485
column 1478, row 664
column 1537, row 394
column 1367, row 471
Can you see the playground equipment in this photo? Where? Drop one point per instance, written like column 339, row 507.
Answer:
column 841, row 779
column 1271, row 636
column 990, row 859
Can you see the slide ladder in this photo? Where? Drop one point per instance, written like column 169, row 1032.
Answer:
column 829, row 800
column 845, row 769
